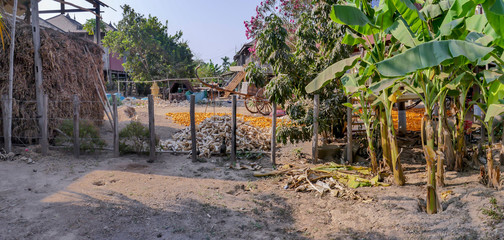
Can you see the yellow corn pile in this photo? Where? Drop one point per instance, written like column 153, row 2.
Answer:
column 413, row 119
column 184, row 119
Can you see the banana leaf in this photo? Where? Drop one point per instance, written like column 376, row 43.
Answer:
column 332, row 72
column 353, row 18
column 493, row 111
column 430, row 54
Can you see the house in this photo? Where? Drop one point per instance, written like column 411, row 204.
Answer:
column 112, row 62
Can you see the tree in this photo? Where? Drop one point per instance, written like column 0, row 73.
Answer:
column 150, row 52
column 209, row 69
column 463, row 41
column 225, row 64
column 90, row 26
column 297, row 40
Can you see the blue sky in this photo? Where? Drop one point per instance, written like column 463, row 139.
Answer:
column 213, row 28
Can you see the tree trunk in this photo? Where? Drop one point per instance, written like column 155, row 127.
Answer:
column 394, row 153
column 372, row 153
column 490, row 166
column 430, row 153
column 384, row 140
column 460, row 143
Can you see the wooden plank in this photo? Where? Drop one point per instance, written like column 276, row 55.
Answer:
column 349, row 133
column 193, row 128
column 273, row 136
column 316, row 102
column 44, row 141
column 152, row 130
column 6, row 126
column 116, row 127
column 233, row 131
column 234, row 83
column 76, row 138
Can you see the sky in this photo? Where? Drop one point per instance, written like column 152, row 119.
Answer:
column 213, row 28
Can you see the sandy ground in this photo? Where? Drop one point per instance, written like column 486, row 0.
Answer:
column 101, row 197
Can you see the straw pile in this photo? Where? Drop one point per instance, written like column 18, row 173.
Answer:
column 67, row 70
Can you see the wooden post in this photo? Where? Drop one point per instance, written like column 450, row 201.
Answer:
column 273, row 136
column 233, row 131
column 116, row 126
column 76, row 146
column 6, row 114
column 349, row 155
column 39, row 90
column 316, row 102
column 8, row 106
column 193, row 128
column 44, row 141
column 152, row 130
column 97, row 26
column 401, row 112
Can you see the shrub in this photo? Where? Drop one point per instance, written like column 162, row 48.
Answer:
column 134, row 138
column 89, row 136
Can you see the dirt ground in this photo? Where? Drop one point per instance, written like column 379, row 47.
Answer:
column 101, row 197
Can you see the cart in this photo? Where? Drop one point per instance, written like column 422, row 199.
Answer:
column 255, row 101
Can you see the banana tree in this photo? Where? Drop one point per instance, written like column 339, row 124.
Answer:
column 491, row 105
column 364, row 110
column 369, row 31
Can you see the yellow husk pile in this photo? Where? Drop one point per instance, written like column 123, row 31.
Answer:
column 213, row 131
column 66, row 70
column 413, row 119
column 184, row 119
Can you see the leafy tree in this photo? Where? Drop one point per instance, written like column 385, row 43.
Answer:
column 225, row 64
column 90, row 25
column 297, row 40
column 209, row 69
column 150, row 52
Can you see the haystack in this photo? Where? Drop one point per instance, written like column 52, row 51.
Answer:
column 68, row 69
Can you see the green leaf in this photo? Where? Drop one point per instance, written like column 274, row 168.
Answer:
column 401, row 31
column 333, row 71
column 430, row 54
column 354, row 18
column 494, row 110
column 494, row 12
column 383, row 84
column 350, row 83
column 496, row 92
column 413, row 17
column 351, row 39
column 479, row 38
column 447, row 29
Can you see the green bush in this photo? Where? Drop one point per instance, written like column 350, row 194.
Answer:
column 89, row 136
column 134, row 138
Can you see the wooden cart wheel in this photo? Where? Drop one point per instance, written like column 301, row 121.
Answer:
column 264, row 107
column 251, row 105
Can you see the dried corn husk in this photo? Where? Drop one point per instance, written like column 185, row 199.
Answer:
column 213, row 131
